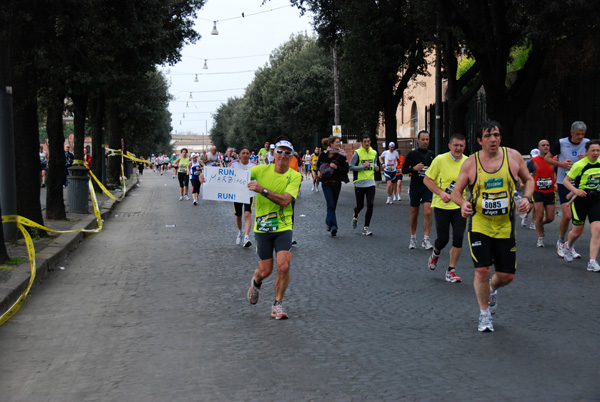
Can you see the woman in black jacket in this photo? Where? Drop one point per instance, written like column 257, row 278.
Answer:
column 332, row 169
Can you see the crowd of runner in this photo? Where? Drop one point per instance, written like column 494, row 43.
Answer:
column 478, row 195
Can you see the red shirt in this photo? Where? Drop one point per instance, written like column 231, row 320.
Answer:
column 544, row 176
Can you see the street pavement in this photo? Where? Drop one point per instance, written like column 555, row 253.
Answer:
column 148, row 312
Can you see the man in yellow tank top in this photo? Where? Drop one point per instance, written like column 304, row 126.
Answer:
column 491, row 175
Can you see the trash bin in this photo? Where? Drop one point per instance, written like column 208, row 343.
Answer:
column 128, row 168
column 78, row 190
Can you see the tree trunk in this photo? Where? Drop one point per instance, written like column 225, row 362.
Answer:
column 55, row 205
column 115, row 133
column 97, row 122
column 3, row 251
column 80, row 109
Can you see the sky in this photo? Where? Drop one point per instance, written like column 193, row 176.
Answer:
column 242, row 46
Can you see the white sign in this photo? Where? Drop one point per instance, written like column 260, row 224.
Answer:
column 226, row 184
column 336, row 131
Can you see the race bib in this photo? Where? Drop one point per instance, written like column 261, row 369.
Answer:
column 267, row 223
column 544, row 183
column 593, row 181
column 422, row 172
column 493, row 204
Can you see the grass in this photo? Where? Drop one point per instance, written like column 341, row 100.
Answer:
column 12, row 264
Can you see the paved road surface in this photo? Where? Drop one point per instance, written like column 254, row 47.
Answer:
column 143, row 312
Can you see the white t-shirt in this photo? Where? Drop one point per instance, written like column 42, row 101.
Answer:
column 389, row 160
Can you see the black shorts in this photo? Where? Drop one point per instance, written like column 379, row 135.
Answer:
column 390, row 176
column 546, row 198
column 562, row 193
column 588, row 206
column 184, row 179
column 487, row 251
column 237, row 207
column 419, row 195
column 269, row 241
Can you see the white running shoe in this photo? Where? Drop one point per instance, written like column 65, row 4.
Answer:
column 593, row 266
column 560, row 248
column 181, row 198
column 426, row 244
column 366, row 231
column 493, row 301
column 247, row 242
column 239, row 237
column 540, row 242
column 486, row 323
column 186, row 197
column 413, row 244
column 568, row 254
column 532, row 226
column 399, row 197
column 576, row 255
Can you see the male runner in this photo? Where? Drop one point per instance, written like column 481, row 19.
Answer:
column 491, row 176
column 440, row 179
column 544, row 181
column 390, row 159
column 243, row 234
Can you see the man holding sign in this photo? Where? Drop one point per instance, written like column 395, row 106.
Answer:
column 243, row 234
column 277, row 185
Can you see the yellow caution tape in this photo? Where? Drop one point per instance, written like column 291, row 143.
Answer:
column 21, row 223
column 105, row 190
column 78, row 162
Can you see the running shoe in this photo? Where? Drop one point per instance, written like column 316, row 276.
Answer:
column 593, row 266
column 366, row 231
column 412, row 245
column 195, row 202
column 524, row 220
column 399, row 197
column 354, row 223
column 253, row 292
column 540, row 242
column 247, row 242
column 316, row 190
column 576, row 255
column 186, row 197
column 452, row 277
column 432, row 263
column 486, row 323
column 278, row 312
column 493, row 301
column 568, row 254
column 560, row 248
column 238, row 238
column 532, row 226
column 426, row 244
column 333, row 231
column 394, row 197
column 180, row 198
column 294, row 242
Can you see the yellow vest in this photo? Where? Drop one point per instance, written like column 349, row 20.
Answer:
column 492, row 201
column 364, row 155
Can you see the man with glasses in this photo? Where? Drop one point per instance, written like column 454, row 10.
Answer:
column 416, row 163
column 277, row 186
column 440, row 179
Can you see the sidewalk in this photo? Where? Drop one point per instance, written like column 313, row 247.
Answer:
column 51, row 251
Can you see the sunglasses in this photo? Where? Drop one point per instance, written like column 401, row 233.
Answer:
column 281, row 151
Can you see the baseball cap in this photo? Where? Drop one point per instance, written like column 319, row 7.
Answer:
column 272, row 146
column 392, row 144
column 534, row 152
column 285, row 143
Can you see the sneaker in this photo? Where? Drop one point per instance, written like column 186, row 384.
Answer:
column 540, row 242
column 354, row 223
column 186, row 197
column 333, row 231
column 394, row 197
column 433, row 260
column 593, row 266
column 532, row 226
column 412, row 245
column 181, row 198
column 239, row 237
column 389, row 200
column 560, row 248
column 426, row 244
column 43, row 185
column 568, row 257
column 317, row 190
column 195, row 202
column 493, row 301
column 576, row 255
column 524, row 221
column 253, row 292
column 247, row 242
column 486, row 323
column 278, row 312
column 366, row 231
column 294, row 242
column 399, row 197
column 452, row 277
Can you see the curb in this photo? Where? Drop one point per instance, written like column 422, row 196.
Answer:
column 48, row 259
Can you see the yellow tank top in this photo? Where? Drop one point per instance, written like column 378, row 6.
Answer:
column 492, row 201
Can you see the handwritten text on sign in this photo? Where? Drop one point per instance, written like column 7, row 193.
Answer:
column 226, row 184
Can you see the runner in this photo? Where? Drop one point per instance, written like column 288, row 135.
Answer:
column 389, row 159
column 181, row 164
column 153, row 162
column 306, row 159
column 569, row 150
column 194, row 170
column 172, row 164
column 314, row 158
column 262, row 154
column 491, row 175
column 398, row 189
column 243, row 236
column 277, row 185
column 586, row 176
column 440, row 179
column 270, row 157
column 544, row 198
column 416, row 163
column 364, row 165
column 212, row 158
column 43, row 166
column 253, row 158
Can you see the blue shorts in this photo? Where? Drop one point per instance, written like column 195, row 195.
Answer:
column 266, row 242
column 419, row 195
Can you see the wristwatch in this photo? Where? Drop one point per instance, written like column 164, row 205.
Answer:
column 264, row 192
column 529, row 199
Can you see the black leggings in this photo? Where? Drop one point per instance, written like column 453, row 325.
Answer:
column 444, row 218
column 184, row 179
column 360, row 193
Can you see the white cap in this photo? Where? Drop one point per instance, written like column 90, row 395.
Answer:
column 392, row 144
column 534, row 152
column 285, row 143
column 272, row 146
